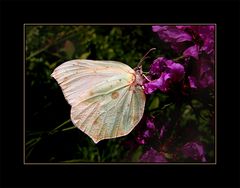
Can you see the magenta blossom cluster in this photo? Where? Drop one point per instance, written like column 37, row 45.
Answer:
column 195, row 46
column 188, row 40
column 153, row 156
column 151, row 130
column 191, row 68
column 167, row 71
column 147, row 132
column 194, row 150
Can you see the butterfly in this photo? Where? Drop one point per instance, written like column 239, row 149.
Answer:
column 106, row 97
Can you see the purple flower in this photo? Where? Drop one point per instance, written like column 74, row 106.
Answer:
column 151, row 86
column 207, row 35
column 201, row 38
column 194, row 150
column 176, row 70
column 153, row 156
column 146, row 132
column 140, row 140
column 158, row 66
column 192, row 51
column 150, row 123
column 172, row 35
column 203, row 74
column 162, row 131
column 169, row 72
column 164, row 82
column 192, row 82
column 161, row 83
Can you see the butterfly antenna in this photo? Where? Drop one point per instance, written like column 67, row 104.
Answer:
column 144, row 57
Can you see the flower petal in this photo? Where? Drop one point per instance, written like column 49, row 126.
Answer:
column 194, row 150
column 150, row 123
column 150, row 87
column 176, row 70
column 171, row 34
column 192, row 51
column 192, row 82
column 157, row 66
column 153, row 156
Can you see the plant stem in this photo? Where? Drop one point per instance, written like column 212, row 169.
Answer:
column 69, row 128
column 178, row 58
column 56, row 129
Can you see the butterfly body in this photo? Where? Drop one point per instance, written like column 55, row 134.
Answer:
column 107, row 100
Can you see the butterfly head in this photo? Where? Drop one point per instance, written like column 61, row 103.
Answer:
column 139, row 79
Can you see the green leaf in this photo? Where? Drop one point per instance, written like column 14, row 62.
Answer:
column 136, row 155
column 154, row 104
column 85, row 55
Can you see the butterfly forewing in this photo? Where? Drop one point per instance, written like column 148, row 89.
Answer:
column 105, row 102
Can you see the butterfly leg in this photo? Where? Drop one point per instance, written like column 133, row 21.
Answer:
column 146, row 78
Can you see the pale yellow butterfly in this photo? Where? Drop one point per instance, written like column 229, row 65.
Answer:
column 106, row 97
